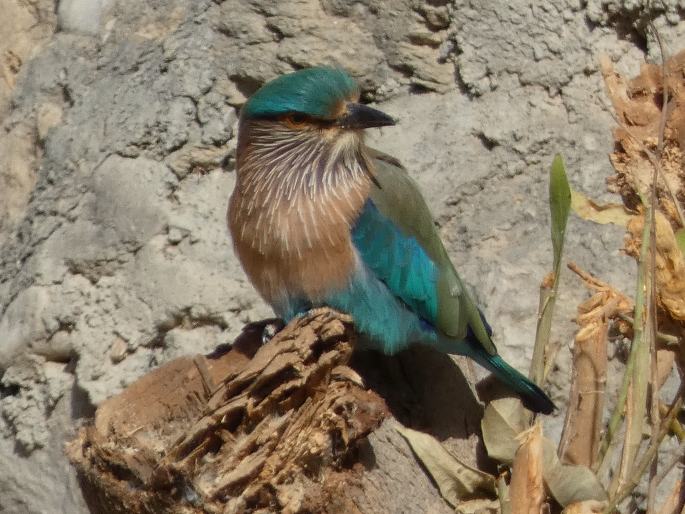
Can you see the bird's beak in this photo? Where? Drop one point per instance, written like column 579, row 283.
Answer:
column 360, row 116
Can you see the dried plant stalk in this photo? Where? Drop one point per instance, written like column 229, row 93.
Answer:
column 580, row 439
column 639, row 373
column 674, row 502
column 640, row 112
column 527, row 491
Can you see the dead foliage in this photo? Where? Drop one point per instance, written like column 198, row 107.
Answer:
column 670, row 264
column 527, row 490
column 601, row 463
column 638, row 106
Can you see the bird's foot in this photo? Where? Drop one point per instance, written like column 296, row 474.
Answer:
column 328, row 312
column 267, row 327
column 271, row 329
column 347, row 374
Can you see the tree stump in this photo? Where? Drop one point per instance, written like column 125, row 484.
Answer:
column 294, row 425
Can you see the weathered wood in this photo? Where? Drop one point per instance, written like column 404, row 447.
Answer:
column 280, row 427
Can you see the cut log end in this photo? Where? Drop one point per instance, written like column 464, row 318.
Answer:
column 274, row 428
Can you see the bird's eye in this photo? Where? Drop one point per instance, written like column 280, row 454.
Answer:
column 295, row 120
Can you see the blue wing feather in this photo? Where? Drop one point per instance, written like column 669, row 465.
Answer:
column 400, row 302
column 397, row 260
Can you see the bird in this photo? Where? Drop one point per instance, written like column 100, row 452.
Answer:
column 320, row 219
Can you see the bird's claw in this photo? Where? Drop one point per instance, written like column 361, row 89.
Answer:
column 266, row 329
column 270, row 329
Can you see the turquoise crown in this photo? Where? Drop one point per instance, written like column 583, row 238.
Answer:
column 313, row 91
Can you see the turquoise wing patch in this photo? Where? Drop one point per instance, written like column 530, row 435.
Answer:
column 397, row 260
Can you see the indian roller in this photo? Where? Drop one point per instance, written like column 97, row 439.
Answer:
column 318, row 219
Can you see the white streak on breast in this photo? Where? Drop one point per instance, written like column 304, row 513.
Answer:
column 302, row 194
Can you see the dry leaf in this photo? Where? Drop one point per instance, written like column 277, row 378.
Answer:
column 670, row 263
column 589, row 210
column 586, row 507
column 569, row 483
column 637, row 103
column 503, row 421
column 456, row 480
column 526, row 491
column 478, row 507
column 665, row 358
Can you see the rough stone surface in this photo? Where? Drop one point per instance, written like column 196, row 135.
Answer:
column 116, row 160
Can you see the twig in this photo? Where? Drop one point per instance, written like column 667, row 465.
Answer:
column 589, row 278
column 677, row 429
column 652, row 318
column 664, row 104
column 667, row 339
column 649, row 454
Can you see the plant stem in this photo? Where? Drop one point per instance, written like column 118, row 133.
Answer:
column 544, row 327
column 617, row 414
column 646, row 459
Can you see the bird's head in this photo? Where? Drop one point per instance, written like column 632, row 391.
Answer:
column 307, row 109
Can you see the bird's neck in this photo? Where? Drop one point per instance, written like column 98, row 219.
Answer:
column 285, row 165
column 298, row 187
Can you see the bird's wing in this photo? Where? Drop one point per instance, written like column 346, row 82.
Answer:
column 397, row 239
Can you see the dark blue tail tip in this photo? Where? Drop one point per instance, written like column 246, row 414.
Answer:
column 538, row 402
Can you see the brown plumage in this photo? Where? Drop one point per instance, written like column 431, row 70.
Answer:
column 300, row 186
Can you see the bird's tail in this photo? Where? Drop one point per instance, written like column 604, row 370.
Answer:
column 532, row 396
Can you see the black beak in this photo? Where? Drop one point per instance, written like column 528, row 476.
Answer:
column 360, row 116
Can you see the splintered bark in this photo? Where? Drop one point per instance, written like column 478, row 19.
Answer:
column 287, row 426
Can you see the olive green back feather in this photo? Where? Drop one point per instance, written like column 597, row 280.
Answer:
column 398, row 198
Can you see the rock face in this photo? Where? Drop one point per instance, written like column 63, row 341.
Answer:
column 116, row 162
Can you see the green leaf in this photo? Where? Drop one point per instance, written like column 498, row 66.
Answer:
column 457, row 481
column 559, row 204
column 680, row 239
